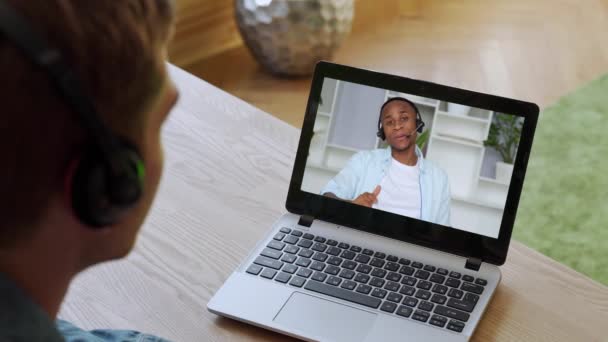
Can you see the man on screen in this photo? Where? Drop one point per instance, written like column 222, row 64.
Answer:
column 397, row 179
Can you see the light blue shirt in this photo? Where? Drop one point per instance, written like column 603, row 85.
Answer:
column 366, row 169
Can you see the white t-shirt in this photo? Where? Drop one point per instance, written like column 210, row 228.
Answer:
column 400, row 190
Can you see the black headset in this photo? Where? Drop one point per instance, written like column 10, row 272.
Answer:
column 419, row 122
column 109, row 178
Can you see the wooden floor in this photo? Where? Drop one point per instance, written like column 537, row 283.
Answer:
column 535, row 50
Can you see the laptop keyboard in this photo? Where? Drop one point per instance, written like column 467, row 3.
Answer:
column 398, row 286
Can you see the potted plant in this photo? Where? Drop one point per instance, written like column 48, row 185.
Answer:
column 504, row 135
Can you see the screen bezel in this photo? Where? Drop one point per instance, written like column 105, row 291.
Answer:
column 447, row 239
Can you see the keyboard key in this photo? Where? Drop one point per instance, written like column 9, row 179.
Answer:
column 317, row 266
column 319, row 247
column 461, row 304
column 362, row 288
column 410, row 281
column 429, row 268
column 379, row 293
column 362, row 258
column 285, row 230
column 347, row 274
column 420, row 274
column 410, row 301
column 297, row 281
column 333, row 280
column 304, row 272
column 291, row 249
column 404, row 261
column 348, row 284
column 451, row 282
column 267, row 262
column 318, row 276
column 380, row 255
column 304, row 262
column 407, row 290
column 305, row 243
column 343, row 294
column 355, row 249
column 319, row 256
column 451, row 313
column 364, row 269
column 291, row 240
column 442, row 271
column 290, row 269
column 282, row 277
column 455, row 326
column 343, row 245
column 362, row 278
column 276, row 245
column 455, row 275
column 254, row 269
column 472, row 288
column 467, row 277
column 308, row 236
column 439, row 321
column 421, row 316
column 297, row 233
column 440, row 289
column 388, row 307
column 320, row 239
column 271, row 253
column 425, row 285
column 268, row 273
column 423, row 294
column 394, row 297
column 416, row 264
column 368, row 252
column 334, row 260
column 349, row 264
column 481, row 282
column 278, row 236
column 392, row 258
column 437, row 278
column 334, row 251
column 349, row 255
column 426, row 306
column 377, row 282
column 439, row 299
column 404, row 311
column 392, row 286
column 392, row 266
column 332, row 270
column 332, row 242
column 392, row 276
column 377, row 262
column 470, row 297
column 378, row 272
column 289, row 258
column 455, row 293
column 406, row 270
column 306, row 253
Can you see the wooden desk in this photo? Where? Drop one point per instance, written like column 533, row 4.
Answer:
column 228, row 166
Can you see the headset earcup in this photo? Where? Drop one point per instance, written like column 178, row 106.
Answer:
column 100, row 198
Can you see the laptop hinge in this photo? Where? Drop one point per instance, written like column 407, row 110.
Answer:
column 473, row 264
column 306, row 220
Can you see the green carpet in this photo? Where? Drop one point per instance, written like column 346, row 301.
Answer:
column 563, row 212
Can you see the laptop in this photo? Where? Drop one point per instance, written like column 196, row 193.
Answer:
column 400, row 209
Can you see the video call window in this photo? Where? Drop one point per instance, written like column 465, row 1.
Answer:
column 418, row 157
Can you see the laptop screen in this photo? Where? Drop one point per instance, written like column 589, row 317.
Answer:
column 424, row 158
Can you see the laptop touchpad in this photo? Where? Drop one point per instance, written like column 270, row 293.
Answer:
column 325, row 319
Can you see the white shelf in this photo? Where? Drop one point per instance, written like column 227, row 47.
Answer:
column 459, row 141
column 321, row 167
column 323, row 114
column 346, row 148
column 416, row 99
column 461, row 126
column 463, row 117
column 477, row 202
column 493, row 181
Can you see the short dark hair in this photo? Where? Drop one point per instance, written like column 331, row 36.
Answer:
column 114, row 47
